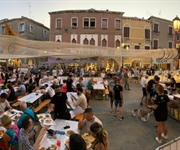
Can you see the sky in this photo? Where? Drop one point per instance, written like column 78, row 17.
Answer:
column 38, row 9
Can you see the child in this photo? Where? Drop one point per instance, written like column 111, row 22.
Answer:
column 7, row 123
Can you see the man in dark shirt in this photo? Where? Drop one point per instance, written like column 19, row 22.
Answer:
column 59, row 104
column 118, row 97
column 150, row 87
column 69, row 84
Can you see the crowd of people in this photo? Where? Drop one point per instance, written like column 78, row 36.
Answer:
column 18, row 137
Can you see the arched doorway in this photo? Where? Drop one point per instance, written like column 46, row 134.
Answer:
column 136, row 63
column 111, row 65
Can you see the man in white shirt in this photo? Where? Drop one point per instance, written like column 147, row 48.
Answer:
column 89, row 119
column 21, row 90
column 48, row 93
column 143, row 83
column 81, row 100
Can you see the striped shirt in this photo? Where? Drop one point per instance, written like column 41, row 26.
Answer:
column 24, row 143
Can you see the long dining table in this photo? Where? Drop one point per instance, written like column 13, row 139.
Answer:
column 60, row 133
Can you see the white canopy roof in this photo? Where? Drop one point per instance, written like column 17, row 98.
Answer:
column 15, row 47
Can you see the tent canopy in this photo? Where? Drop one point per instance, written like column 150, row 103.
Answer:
column 15, row 47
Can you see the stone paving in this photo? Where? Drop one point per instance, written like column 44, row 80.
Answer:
column 131, row 133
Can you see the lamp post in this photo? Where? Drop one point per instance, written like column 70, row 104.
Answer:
column 176, row 27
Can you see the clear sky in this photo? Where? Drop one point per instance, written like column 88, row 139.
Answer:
column 38, row 9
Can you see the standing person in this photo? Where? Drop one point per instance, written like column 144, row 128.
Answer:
column 161, row 113
column 59, row 104
column 101, row 137
column 126, row 79
column 118, row 97
column 143, row 83
column 150, row 88
column 69, row 84
column 111, row 86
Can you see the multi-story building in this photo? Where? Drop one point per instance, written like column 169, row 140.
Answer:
column 162, row 33
column 92, row 27
column 162, row 36
column 136, row 35
column 28, row 29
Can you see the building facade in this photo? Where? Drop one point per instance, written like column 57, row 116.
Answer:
column 162, row 33
column 162, row 37
column 91, row 27
column 28, row 29
column 136, row 35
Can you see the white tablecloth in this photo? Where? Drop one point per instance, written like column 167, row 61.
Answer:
column 31, row 98
column 98, row 86
column 60, row 124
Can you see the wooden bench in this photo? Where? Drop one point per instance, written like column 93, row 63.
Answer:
column 41, row 105
column 17, row 103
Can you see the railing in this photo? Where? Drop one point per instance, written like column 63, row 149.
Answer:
column 172, row 145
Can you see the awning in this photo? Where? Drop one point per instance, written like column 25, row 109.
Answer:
column 15, row 47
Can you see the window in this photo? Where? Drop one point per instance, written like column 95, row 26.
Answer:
column 170, row 44
column 126, row 31
column 21, row 27
column 92, row 22
column 178, row 36
column 74, row 22
column 44, row 33
column 118, row 24
column 31, row 29
column 86, row 22
column 136, row 47
column 156, row 27
column 3, row 30
column 147, row 47
column 155, row 44
column 104, row 43
column 104, row 23
column 58, row 23
column 170, row 30
column 147, row 34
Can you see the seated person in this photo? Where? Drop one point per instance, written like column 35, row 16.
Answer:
column 11, row 93
column 89, row 119
column 48, row 92
column 76, row 142
column 100, row 135
column 4, row 104
column 13, row 141
column 21, row 90
column 32, row 87
column 81, row 100
column 24, row 143
column 27, row 112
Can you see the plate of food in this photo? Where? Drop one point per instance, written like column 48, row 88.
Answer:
column 87, row 137
column 69, row 132
column 47, row 116
column 48, row 122
column 52, row 147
